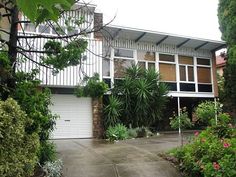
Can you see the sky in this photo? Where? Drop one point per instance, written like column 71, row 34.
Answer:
column 195, row 18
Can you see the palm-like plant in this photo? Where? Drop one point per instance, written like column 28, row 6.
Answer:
column 142, row 95
column 112, row 111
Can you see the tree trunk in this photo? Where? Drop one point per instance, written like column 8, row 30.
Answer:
column 12, row 50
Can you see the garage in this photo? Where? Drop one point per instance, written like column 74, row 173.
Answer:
column 75, row 116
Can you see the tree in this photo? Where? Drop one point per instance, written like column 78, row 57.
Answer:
column 227, row 21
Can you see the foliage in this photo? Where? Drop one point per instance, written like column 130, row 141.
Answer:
column 35, row 102
column 60, row 57
column 40, row 10
column 212, row 152
column 18, row 148
column 132, row 133
column 112, row 111
column 47, row 152
column 143, row 132
column 227, row 21
column 5, row 73
column 206, row 111
column 142, row 95
column 54, row 169
column 94, row 87
column 182, row 121
column 221, row 82
column 117, row 132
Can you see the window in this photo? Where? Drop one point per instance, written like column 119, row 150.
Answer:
column 120, row 66
column 123, row 59
column 147, row 56
column 106, row 67
column 167, row 71
column 43, row 29
column 123, row 53
column 202, row 61
column 204, row 75
column 146, row 59
column 186, row 72
column 167, row 58
column 29, row 27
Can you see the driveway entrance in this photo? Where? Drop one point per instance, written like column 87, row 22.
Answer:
column 130, row 158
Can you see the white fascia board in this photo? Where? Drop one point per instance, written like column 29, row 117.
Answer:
column 191, row 94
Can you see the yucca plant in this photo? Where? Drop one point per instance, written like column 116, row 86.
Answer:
column 143, row 96
column 112, row 111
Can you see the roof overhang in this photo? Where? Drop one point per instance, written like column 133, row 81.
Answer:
column 140, row 35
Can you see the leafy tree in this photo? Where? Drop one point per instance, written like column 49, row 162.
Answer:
column 227, row 21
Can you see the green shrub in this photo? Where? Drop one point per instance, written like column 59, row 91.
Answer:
column 93, row 87
column 118, row 132
column 112, row 111
column 212, row 153
column 205, row 112
column 132, row 133
column 18, row 148
column 143, row 132
column 182, row 121
column 47, row 152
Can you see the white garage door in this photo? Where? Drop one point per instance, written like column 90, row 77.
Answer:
column 75, row 116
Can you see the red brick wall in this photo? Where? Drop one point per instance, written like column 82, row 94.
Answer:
column 97, row 106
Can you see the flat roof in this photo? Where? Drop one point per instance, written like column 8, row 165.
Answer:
column 141, row 35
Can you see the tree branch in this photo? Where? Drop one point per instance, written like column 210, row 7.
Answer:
column 40, row 64
column 2, row 30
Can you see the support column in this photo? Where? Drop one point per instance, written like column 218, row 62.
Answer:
column 97, row 107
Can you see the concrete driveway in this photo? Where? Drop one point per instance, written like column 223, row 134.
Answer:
column 130, row 158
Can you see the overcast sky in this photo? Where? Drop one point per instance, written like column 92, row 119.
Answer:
column 196, row 18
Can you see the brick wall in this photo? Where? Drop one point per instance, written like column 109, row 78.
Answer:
column 98, row 130
column 98, row 23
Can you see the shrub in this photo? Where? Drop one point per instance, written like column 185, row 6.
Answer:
column 143, row 132
column 53, row 169
column 182, row 121
column 118, row 132
column 47, row 152
column 205, row 111
column 112, row 111
column 93, row 88
column 143, row 96
column 212, row 153
column 132, row 133
column 18, row 148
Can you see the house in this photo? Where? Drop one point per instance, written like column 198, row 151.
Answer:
column 220, row 65
column 186, row 64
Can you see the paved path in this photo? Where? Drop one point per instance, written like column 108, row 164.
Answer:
column 130, row 158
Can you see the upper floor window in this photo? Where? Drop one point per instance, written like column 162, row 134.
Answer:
column 146, row 59
column 167, row 67
column 124, row 53
column 186, row 69
column 123, row 59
